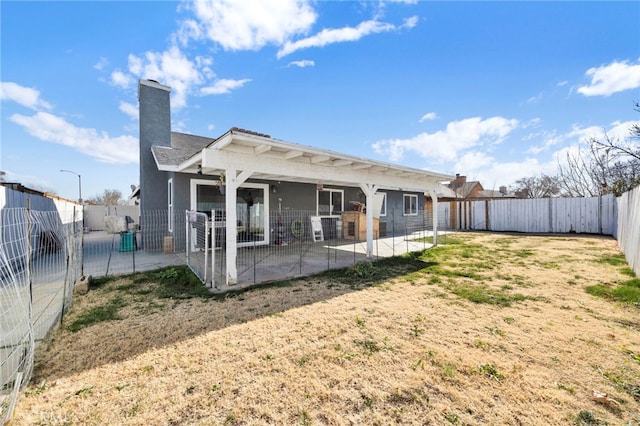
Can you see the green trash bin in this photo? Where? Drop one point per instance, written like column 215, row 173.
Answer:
column 128, row 241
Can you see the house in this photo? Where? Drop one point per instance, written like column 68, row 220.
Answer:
column 461, row 189
column 243, row 175
column 458, row 194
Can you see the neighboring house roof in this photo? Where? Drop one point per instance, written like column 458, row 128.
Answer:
column 469, row 189
column 272, row 159
column 444, row 191
column 490, row 193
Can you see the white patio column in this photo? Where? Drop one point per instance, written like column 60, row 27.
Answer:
column 434, row 199
column 233, row 180
column 230, row 198
column 369, row 190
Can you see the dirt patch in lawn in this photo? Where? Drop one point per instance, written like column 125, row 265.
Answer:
column 495, row 329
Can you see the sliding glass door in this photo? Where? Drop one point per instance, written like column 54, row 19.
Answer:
column 252, row 209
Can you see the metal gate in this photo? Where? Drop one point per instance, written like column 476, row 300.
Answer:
column 199, row 256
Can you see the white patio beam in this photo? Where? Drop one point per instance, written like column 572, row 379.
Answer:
column 319, row 159
column 341, row 163
column 271, row 165
column 261, row 149
column 361, row 166
column 292, row 154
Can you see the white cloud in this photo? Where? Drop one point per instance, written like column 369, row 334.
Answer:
column 507, row 173
column 50, row 128
column 549, row 139
column 249, row 24
column 620, row 129
column 189, row 30
column 120, row 79
column 410, row 22
column 101, row 64
column 223, row 86
column 172, row 68
column 449, row 144
column 476, row 164
column 301, row 64
column 330, row 36
column 473, row 161
column 491, row 174
column 534, row 99
column 609, row 79
column 25, row 96
column 428, row 116
column 129, row 109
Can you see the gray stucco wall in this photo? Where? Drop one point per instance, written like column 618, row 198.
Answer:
column 395, row 220
column 300, row 198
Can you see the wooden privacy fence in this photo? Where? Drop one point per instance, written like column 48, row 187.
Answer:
column 597, row 215
column 628, row 232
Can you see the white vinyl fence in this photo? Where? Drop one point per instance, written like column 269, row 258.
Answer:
column 597, row 215
column 628, row 232
column 94, row 215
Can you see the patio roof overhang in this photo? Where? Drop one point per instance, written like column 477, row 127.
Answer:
column 271, row 159
column 241, row 155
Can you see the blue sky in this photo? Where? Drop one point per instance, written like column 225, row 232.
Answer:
column 492, row 90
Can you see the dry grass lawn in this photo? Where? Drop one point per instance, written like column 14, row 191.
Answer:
column 487, row 329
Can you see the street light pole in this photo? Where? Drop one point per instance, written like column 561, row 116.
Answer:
column 74, row 210
column 79, row 184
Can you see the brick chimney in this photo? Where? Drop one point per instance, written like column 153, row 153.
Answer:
column 458, row 182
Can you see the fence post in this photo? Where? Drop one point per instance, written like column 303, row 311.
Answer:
column 133, row 252
column 213, row 249
column 328, row 254
column 28, row 260
column 186, row 235
column 393, row 231
column 70, row 251
column 486, row 215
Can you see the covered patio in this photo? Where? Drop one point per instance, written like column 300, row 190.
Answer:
column 240, row 155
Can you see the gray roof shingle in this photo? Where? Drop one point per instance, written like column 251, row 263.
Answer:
column 182, row 147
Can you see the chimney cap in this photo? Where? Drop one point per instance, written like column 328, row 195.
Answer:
column 153, row 83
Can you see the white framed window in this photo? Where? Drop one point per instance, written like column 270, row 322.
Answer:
column 383, row 208
column 329, row 202
column 410, row 204
column 170, row 205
